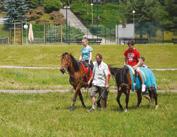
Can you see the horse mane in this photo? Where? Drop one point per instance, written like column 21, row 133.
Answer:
column 73, row 60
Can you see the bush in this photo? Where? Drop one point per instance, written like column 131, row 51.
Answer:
column 52, row 5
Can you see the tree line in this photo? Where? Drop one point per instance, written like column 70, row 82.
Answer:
column 161, row 12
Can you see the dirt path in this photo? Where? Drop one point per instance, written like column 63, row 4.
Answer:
column 63, row 91
column 54, row 68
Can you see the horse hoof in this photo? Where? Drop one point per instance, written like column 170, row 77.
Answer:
column 71, row 108
column 120, row 109
column 156, row 107
column 126, row 110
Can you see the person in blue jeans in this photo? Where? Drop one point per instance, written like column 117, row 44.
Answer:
column 86, row 53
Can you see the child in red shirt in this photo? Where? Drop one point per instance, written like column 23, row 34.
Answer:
column 132, row 58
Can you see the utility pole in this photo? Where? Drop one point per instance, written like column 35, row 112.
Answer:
column 97, row 18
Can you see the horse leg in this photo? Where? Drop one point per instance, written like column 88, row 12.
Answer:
column 151, row 96
column 127, row 94
column 98, row 102
column 155, row 97
column 139, row 97
column 103, row 103
column 118, row 99
column 81, row 99
column 77, row 91
column 72, row 107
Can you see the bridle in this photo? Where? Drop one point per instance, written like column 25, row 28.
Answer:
column 65, row 63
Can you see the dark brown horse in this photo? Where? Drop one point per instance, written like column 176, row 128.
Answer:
column 77, row 76
column 124, row 85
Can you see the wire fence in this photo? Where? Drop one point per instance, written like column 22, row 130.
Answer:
column 18, row 33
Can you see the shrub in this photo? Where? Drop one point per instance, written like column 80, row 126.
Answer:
column 52, row 5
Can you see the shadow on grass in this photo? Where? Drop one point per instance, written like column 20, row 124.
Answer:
column 75, row 108
column 134, row 107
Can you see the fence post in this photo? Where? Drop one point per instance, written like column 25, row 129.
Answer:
column 105, row 34
column 61, row 30
column 69, row 33
column 14, row 33
column 44, row 34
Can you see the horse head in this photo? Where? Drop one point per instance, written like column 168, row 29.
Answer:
column 65, row 62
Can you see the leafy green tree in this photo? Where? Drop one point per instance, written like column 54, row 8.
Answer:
column 171, row 8
column 145, row 10
column 149, row 15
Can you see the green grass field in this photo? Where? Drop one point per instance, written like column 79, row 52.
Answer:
column 157, row 56
column 46, row 115
column 53, row 79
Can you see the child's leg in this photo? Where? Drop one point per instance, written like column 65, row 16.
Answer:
column 142, row 81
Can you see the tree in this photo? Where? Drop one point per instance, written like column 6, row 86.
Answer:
column 16, row 10
column 146, row 10
column 1, row 5
column 149, row 15
column 171, row 8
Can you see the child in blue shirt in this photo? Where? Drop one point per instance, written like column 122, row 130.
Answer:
column 86, row 53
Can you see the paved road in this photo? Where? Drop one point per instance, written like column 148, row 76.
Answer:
column 75, row 22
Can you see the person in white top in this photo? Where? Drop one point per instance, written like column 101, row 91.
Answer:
column 100, row 83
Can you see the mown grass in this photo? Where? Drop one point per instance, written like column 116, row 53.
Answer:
column 46, row 115
column 32, row 79
column 157, row 56
column 53, row 79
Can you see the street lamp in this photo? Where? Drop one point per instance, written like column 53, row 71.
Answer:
column 26, row 29
column 97, row 17
column 92, row 11
column 134, row 21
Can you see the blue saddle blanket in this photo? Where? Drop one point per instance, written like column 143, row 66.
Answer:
column 147, row 75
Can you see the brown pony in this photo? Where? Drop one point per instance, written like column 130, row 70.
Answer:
column 77, row 76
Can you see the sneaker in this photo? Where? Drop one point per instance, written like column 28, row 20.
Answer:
column 143, row 88
column 134, row 84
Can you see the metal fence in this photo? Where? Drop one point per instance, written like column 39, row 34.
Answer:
column 47, row 33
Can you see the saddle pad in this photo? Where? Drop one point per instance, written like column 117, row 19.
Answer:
column 147, row 75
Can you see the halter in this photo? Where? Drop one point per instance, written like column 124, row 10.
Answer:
column 65, row 62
